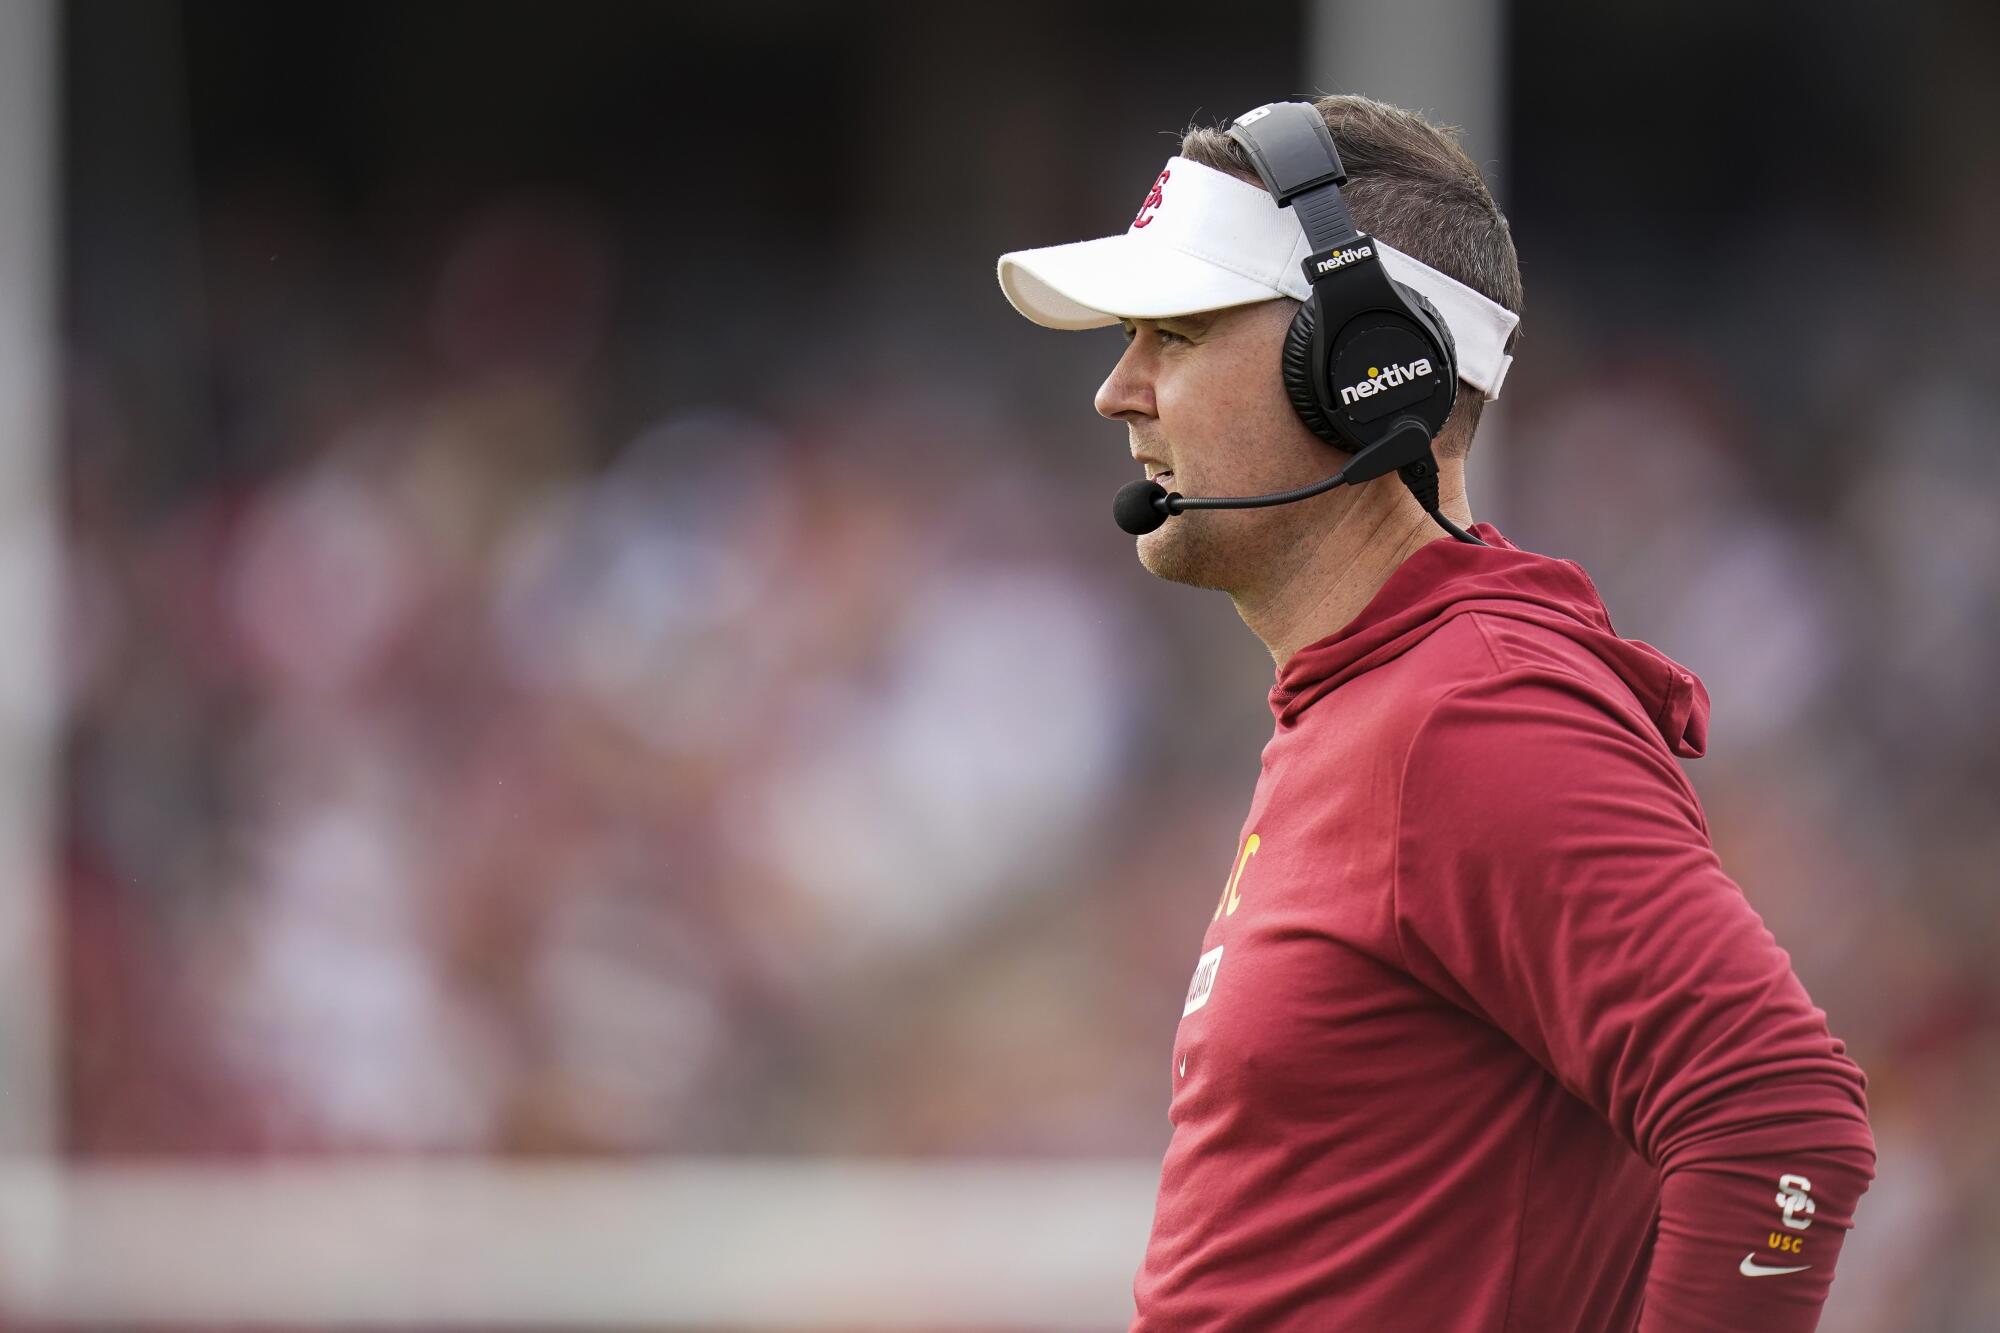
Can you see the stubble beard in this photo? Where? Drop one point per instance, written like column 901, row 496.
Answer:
column 1234, row 551
column 1188, row 549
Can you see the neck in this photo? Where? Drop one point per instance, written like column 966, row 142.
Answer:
column 1349, row 562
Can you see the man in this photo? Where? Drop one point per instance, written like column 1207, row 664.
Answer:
column 1481, row 1037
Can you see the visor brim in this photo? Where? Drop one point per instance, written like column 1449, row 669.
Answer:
column 1089, row 284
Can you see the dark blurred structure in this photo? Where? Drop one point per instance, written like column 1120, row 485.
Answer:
column 593, row 629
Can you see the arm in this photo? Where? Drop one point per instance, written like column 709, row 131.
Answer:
column 1554, row 876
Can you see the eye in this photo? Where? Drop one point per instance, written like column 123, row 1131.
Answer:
column 1131, row 331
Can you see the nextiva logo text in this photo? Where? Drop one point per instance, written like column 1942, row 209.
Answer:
column 1342, row 258
column 1381, row 379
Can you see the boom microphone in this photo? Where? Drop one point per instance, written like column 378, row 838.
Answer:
column 1142, row 506
column 1138, row 506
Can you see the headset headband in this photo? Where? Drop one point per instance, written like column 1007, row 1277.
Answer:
column 1295, row 156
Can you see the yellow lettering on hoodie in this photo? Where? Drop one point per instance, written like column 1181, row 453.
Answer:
column 1230, row 897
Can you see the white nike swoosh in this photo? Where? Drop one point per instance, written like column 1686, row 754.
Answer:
column 1751, row 1268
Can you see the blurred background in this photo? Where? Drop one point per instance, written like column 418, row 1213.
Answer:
column 582, row 749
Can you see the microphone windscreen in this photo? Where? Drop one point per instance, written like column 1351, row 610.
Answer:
column 1138, row 509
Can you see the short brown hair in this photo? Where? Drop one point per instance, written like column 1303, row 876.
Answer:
column 1409, row 183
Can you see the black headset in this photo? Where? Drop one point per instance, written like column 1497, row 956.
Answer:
column 1368, row 363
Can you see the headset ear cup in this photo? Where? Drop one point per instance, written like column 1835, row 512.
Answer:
column 1298, row 372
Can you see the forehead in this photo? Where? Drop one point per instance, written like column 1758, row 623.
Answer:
column 1215, row 318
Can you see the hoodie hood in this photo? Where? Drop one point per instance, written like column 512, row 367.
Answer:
column 1445, row 579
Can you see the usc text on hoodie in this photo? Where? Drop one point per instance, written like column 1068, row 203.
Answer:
column 1481, row 1038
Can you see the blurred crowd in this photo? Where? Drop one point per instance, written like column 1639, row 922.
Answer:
column 483, row 754
column 497, row 787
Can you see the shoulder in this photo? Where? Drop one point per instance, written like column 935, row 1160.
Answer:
column 1482, row 656
column 1535, row 750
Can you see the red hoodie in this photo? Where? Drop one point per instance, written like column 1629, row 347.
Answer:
column 1481, row 1038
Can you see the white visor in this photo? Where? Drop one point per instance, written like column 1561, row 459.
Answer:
column 1205, row 240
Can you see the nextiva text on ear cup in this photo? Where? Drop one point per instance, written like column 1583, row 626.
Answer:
column 1297, row 362
column 1384, row 364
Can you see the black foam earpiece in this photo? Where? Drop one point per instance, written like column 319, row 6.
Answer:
column 1296, row 361
column 1438, row 326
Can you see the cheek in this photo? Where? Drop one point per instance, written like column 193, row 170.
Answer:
column 1264, row 402
column 1235, row 420
column 1218, row 395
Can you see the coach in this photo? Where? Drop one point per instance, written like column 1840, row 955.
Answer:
column 1481, row 1037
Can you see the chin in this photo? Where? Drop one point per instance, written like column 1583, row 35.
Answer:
column 1181, row 552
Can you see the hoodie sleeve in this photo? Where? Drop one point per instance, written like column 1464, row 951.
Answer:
column 1554, row 877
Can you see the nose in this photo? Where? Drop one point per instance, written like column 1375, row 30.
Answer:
column 1127, row 392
